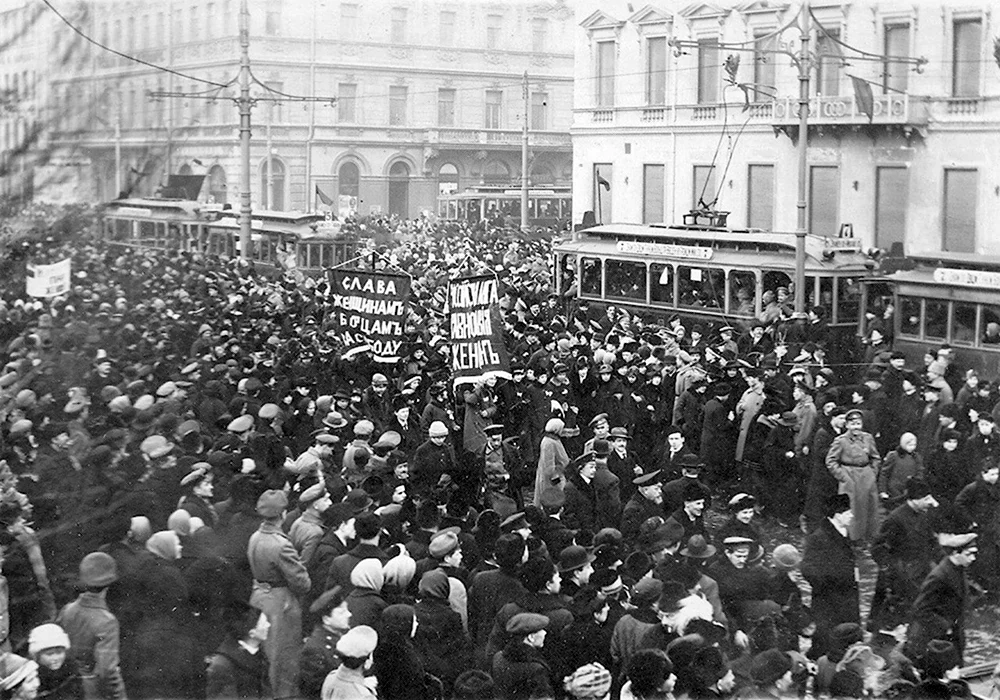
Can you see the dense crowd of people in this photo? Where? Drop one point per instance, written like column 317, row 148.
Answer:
column 201, row 498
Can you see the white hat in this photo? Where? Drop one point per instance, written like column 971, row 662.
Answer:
column 437, row 429
column 47, row 636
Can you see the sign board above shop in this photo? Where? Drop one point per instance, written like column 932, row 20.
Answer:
column 967, row 278
column 667, row 250
column 843, row 244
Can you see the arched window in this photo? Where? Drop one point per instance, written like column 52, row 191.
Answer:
column 496, row 173
column 447, row 179
column 217, row 185
column 274, row 196
column 399, row 189
column 542, row 175
column 348, row 179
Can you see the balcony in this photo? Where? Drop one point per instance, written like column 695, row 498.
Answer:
column 491, row 138
column 888, row 110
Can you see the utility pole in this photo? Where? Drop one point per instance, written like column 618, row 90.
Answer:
column 268, row 177
column 245, row 105
column 524, row 156
column 804, row 65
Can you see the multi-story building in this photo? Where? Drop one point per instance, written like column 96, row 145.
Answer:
column 22, row 47
column 425, row 96
column 658, row 116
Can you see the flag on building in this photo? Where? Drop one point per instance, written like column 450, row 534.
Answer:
column 324, row 197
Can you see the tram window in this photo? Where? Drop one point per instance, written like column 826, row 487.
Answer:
column 848, row 299
column 963, row 324
column 626, row 280
column 826, row 296
column 909, row 316
column 326, row 250
column 475, row 210
column 991, row 325
column 452, row 212
column 147, row 231
column 773, row 281
column 173, row 237
column 302, row 255
column 443, row 208
column 567, row 278
column 935, row 318
column 661, row 284
column 742, row 290
column 590, row 276
column 701, row 287
column 123, row 230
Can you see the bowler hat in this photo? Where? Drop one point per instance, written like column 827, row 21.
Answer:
column 574, row 557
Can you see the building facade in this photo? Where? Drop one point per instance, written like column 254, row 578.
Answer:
column 425, row 96
column 666, row 118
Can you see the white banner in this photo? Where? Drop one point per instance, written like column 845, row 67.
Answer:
column 48, row 280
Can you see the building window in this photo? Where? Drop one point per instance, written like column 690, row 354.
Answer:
column 494, row 109
column 652, row 194
column 895, row 74
column 274, row 196
column 132, row 36
column 447, row 28
column 272, row 19
column 763, row 66
column 195, row 27
column 178, row 23
column 892, row 192
column 346, row 103
column 656, row 70
column 829, row 62
column 760, row 197
column 824, row 200
column 217, row 190
column 447, row 179
column 348, row 180
column 539, row 111
column 958, row 233
column 397, row 105
column 539, row 35
column 493, row 29
column 398, row 25
column 210, row 32
column 708, row 71
column 965, row 55
column 496, row 172
column 349, row 22
column 605, row 73
column 446, row 107
column 161, row 28
column 703, row 191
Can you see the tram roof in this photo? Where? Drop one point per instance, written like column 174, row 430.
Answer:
column 721, row 246
column 306, row 228
column 149, row 205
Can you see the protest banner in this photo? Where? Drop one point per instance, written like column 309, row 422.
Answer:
column 477, row 348
column 48, row 280
column 369, row 310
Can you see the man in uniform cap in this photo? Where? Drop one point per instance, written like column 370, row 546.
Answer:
column 307, row 531
column 319, row 653
column 363, row 431
column 241, row 426
column 939, row 610
column 854, row 461
column 92, row 629
column 348, row 682
column 600, row 428
column 502, row 466
column 376, row 402
column 280, row 579
column 520, row 670
column 829, row 567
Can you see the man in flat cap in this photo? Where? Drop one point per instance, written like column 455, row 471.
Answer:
column 280, row 578
column 519, row 670
column 501, row 464
column 433, row 459
column 645, row 503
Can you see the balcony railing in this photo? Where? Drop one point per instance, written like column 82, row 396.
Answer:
column 496, row 137
column 827, row 109
column 963, row 106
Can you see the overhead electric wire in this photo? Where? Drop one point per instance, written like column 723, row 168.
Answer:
column 126, row 56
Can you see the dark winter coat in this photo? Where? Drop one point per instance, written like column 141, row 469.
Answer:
column 939, row 610
column 234, row 673
column 62, row 684
column 319, row 657
column 828, row 565
column 441, row 640
column 520, row 673
column 490, row 591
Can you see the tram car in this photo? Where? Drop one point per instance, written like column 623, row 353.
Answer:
column 308, row 243
column 712, row 275
column 547, row 208
column 940, row 298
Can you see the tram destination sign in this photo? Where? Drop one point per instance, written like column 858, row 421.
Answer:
column 967, row 278
column 669, row 250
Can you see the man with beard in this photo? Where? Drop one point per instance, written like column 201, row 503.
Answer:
column 645, row 503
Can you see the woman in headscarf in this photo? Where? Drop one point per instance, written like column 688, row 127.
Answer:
column 365, row 601
column 398, row 573
column 396, row 663
column 442, row 640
